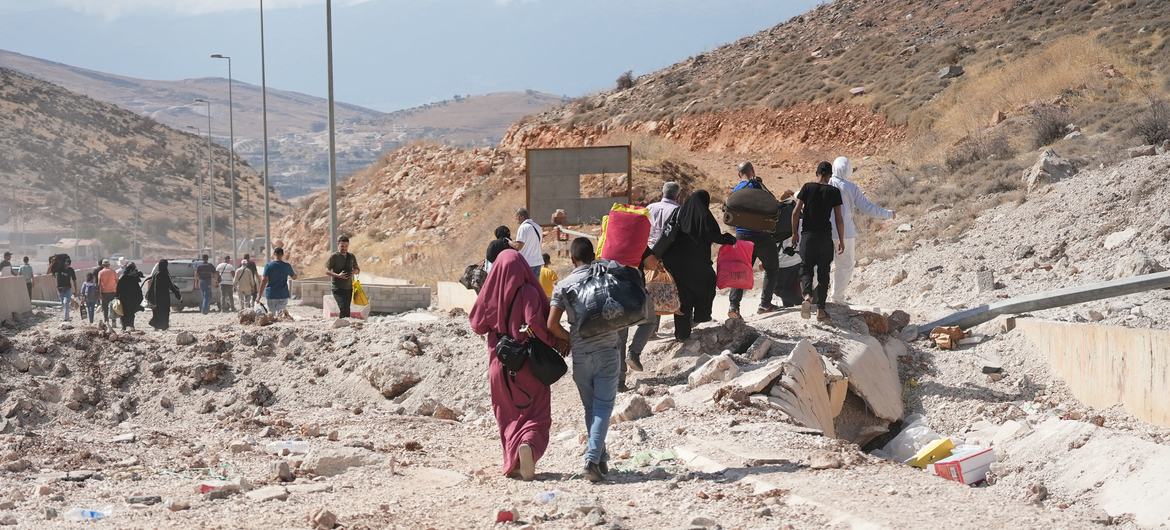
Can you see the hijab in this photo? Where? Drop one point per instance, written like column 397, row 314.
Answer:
column 842, row 168
column 695, row 219
column 510, row 285
column 495, row 248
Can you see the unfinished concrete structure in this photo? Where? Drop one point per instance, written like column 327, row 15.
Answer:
column 553, row 178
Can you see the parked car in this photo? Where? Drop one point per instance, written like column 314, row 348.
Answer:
column 183, row 276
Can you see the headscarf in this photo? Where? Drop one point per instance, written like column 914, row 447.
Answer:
column 842, row 168
column 495, row 248
column 129, row 292
column 510, row 277
column 695, row 219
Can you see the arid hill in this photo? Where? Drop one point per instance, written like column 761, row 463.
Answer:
column 296, row 122
column 82, row 165
column 940, row 103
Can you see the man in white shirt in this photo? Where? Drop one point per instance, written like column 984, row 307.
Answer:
column 661, row 210
column 853, row 199
column 527, row 242
column 227, row 280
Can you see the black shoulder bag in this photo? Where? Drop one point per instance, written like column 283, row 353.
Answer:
column 669, row 234
column 543, row 360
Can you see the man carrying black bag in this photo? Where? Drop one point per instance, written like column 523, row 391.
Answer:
column 596, row 362
column 764, row 250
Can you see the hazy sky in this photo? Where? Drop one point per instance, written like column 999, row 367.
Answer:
column 388, row 54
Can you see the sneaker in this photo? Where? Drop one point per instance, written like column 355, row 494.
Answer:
column 527, row 463
column 769, row 308
column 822, row 315
column 734, row 315
column 806, row 309
column 593, row 472
column 634, row 363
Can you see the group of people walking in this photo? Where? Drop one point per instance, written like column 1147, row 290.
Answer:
column 517, row 302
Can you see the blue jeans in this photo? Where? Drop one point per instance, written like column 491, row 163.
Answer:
column 89, row 307
column 642, row 333
column 205, row 303
column 66, row 295
column 596, row 375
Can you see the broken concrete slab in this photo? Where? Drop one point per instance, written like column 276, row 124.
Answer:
column 755, row 381
column 760, row 348
column 803, row 392
column 268, row 493
column 872, row 375
column 330, row 461
column 720, row 368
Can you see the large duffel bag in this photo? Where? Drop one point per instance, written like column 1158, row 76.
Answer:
column 610, row 299
column 753, row 209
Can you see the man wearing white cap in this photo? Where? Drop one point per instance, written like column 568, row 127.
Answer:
column 853, row 199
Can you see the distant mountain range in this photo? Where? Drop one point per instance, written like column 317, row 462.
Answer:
column 298, row 156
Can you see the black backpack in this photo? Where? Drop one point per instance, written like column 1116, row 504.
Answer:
column 784, row 223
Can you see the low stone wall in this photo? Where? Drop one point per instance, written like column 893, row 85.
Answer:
column 383, row 298
column 452, row 295
column 1108, row 365
column 13, row 297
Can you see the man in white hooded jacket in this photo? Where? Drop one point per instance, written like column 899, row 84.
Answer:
column 854, row 200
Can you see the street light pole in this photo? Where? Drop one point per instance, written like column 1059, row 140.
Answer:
column 232, row 140
column 264, row 113
column 332, row 129
column 210, row 177
column 198, row 201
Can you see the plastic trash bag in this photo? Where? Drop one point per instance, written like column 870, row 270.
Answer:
column 914, row 436
column 359, row 294
column 610, row 299
column 733, row 268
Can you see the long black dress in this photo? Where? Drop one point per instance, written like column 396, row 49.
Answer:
column 688, row 260
column 160, row 292
column 129, row 293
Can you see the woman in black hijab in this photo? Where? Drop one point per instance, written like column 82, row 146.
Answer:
column 129, row 292
column 501, row 243
column 688, row 259
column 159, row 294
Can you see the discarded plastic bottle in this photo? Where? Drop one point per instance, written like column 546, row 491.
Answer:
column 546, row 497
column 86, row 514
column 293, row 447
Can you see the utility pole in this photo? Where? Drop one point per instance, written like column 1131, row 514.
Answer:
column 264, row 113
column 210, row 176
column 332, row 129
column 234, row 248
column 198, row 189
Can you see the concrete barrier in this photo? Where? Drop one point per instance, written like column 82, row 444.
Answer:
column 13, row 297
column 1108, row 365
column 452, row 295
column 45, row 288
column 383, row 298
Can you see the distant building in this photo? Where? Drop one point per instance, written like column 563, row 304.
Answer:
column 78, row 249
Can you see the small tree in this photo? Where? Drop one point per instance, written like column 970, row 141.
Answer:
column 1050, row 124
column 1153, row 125
column 626, row 80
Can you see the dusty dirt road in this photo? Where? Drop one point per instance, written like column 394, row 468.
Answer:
column 134, row 425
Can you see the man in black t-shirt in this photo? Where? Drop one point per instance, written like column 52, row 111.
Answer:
column 815, row 203
column 342, row 266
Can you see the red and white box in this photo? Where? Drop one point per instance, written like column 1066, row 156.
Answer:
column 967, row 467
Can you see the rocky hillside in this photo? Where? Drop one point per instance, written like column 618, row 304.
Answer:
column 71, row 162
column 943, row 105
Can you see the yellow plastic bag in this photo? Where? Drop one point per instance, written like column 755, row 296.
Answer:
column 359, row 294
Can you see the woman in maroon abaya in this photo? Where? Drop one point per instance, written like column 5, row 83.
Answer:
column 511, row 298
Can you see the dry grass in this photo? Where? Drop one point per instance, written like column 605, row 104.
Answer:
column 1153, row 125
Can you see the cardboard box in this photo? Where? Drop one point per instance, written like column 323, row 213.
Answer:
column 931, row 453
column 967, row 467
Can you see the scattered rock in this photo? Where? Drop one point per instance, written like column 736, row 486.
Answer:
column 825, row 460
column 1119, row 239
column 392, row 381
column 720, row 368
column 951, row 72
column 1037, row 493
column 184, row 338
column 1050, row 167
column 282, row 472
column 1095, row 316
column 1136, row 264
column 703, row 522
column 322, row 519
column 145, row 500
column 634, row 408
column 260, row 395
column 666, row 403
column 857, row 91
column 760, row 348
column 1024, row 252
column 1145, row 150
column 331, row 461
column 240, row 446
column 177, row 505
column 268, row 493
